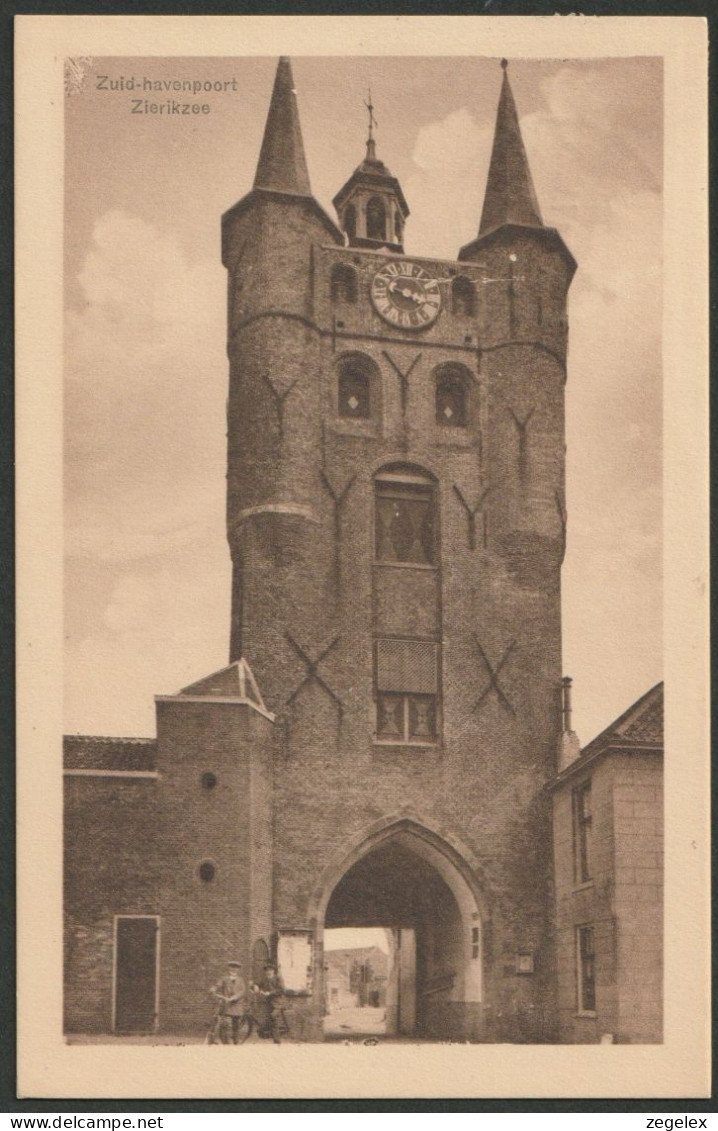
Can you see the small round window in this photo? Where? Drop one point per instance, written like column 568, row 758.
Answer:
column 207, row 871
column 209, row 780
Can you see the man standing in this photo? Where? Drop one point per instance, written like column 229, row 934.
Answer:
column 231, row 992
column 269, row 990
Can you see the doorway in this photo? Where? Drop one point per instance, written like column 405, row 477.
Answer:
column 135, row 973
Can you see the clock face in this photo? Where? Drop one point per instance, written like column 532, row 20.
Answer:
column 405, row 295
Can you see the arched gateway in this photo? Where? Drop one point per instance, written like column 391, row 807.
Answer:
column 412, row 882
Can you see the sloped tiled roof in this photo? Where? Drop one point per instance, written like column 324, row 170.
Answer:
column 236, row 681
column 96, row 752
column 641, row 725
column 638, row 728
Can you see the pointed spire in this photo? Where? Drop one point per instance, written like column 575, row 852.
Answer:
column 510, row 194
column 282, row 165
column 370, row 141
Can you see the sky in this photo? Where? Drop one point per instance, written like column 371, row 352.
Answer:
column 147, row 570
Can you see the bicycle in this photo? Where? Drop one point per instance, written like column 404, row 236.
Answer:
column 246, row 1026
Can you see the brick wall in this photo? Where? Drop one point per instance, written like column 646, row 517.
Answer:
column 204, row 923
column 309, row 574
column 110, row 869
column 134, row 846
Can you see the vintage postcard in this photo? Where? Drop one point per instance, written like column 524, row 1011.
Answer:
column 363, row 561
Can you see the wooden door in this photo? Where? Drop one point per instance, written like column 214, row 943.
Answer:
column 136, row 941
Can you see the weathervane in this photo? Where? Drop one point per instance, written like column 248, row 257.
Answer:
column 370, row 145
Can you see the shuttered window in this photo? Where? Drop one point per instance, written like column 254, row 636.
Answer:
column 407, row 680
column 407, row 665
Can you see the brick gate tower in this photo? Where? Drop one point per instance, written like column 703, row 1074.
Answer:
column 396, row 519
column 377, row 753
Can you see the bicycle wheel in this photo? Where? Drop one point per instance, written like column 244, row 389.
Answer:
column 244, row 1029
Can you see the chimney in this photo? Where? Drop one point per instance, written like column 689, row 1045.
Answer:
column 569, row 747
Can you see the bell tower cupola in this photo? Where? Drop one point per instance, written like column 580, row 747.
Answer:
column 371, row 206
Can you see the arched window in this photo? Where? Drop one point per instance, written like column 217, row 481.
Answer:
column 376, row 219
column 354, row 390
column 405, row 527
column 350, row 221
column 452, row 397
column 463, row 296
column 344, row 283
column 397, row 226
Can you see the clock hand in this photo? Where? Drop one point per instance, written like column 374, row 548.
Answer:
column 405, row 292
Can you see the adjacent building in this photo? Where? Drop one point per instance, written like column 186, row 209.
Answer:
column 608, row 848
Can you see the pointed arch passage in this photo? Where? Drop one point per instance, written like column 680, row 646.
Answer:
column 413, row 884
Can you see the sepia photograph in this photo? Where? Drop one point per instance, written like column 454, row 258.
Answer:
column 363, row 494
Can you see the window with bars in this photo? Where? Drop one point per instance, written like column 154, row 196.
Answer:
column 586, row 969
column 582, row 832
column 405, row 529
column 407, row 687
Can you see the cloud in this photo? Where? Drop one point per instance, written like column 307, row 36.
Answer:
column 593, row 140
column 595, row 155
column 447, row 147
column 148, row 337
column 448, row 156
column 152, row 630
column 147, row 568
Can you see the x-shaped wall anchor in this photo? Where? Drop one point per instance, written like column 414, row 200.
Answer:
column 312, row 675
column 279, row 399
column 493, row 684
column 471, row 514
